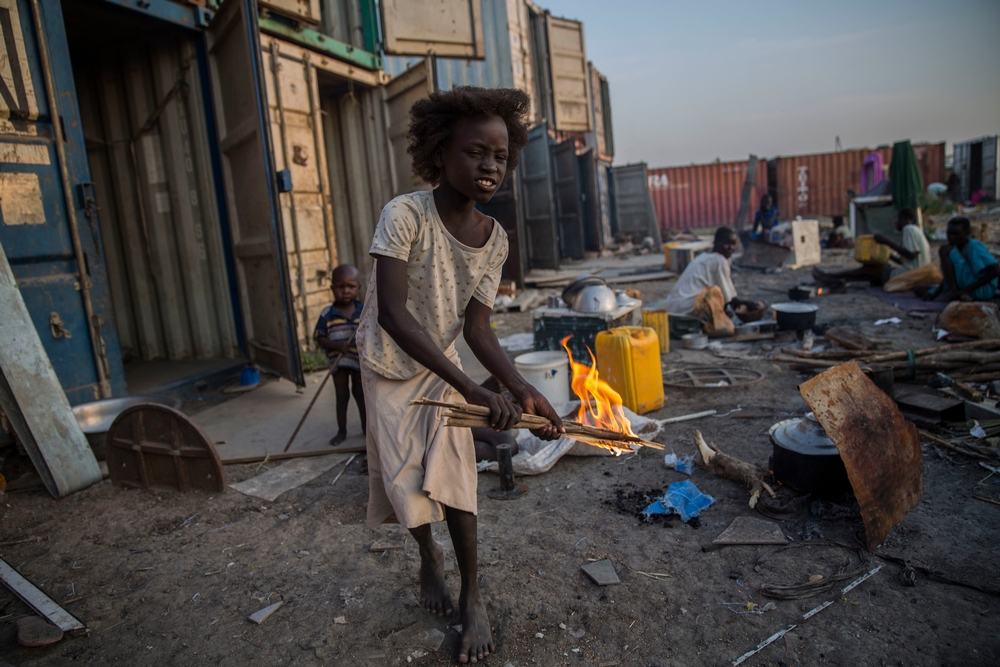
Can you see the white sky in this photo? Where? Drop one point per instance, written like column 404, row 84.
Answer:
column 695, row 81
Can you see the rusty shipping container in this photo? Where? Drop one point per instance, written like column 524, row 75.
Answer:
column 703, row 195
column 817, row 184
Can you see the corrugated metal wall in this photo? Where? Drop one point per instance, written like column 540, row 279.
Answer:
column 817, row 184
column 148, row 150
column 704, row 195
column 360, row 178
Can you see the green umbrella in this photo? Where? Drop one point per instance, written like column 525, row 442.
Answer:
column 904, row 177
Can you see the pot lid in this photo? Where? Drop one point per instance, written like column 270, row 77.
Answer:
column 795, row 307
column 803, row 435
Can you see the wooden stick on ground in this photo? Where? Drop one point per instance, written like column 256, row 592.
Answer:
column 732, row 468
column 953, row 447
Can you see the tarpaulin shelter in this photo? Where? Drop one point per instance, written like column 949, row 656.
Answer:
column 904, row 177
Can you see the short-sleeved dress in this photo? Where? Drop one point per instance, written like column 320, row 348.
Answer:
column 416, row 465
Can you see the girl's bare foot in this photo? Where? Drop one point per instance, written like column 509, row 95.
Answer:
column 433, row 591
column 477, row 639
column 339, row 438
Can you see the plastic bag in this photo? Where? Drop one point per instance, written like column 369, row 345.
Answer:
column 710, row 308
column 683, row 498
column 928, row 274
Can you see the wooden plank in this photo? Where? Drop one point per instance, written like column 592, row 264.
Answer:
column 39, row 601
column 33, row 400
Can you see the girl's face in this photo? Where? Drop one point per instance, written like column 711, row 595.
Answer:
column 474, row 162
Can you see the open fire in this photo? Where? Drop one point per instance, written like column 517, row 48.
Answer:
column 600, row 405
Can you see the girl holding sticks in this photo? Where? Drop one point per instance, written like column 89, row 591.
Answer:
column 437, row 268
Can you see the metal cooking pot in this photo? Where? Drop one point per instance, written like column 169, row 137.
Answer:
column 596, row 299
column 795, row 316
column 806, row 459
column 569, row 294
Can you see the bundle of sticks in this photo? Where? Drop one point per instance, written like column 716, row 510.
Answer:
column 974, row 361
column 463, row 415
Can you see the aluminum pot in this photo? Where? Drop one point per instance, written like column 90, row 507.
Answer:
column 596, row 299
column 795, row 316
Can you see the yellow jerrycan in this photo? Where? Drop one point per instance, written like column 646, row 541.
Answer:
column 628, row 359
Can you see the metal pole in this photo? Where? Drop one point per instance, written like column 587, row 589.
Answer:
column 93, row 324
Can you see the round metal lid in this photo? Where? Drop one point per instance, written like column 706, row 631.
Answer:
column 803, row 435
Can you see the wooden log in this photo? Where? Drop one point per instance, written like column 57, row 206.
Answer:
column 732, row 468
column 953, row 447
column 904, row 354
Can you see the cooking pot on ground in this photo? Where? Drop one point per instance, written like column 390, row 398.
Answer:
column 806, row 459
column 795, row 316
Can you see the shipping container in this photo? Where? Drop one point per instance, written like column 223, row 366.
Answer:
column 818, row 184
column 975, row 164
column 166, row 235
column 507, row 61
column 704, row 195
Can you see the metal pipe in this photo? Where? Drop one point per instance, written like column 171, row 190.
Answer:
column 93, row 324
column 275, row 69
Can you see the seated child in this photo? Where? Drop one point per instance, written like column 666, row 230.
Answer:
column 335, row 332
column 970, row 271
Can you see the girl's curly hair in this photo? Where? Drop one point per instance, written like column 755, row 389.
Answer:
column 433, row 121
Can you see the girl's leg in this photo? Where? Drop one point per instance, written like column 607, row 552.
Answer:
column 359, row 398
column 477, row 639
column 433, row 591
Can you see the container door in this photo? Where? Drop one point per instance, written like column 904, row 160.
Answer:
column 569, row 205
column 633, row 205
column 538, row 200
column 990, row 167
column 452, row 28
column 587, row 168
column 570, row 79
column 251, row 189
column 48, row 224
column 399, row 94
column 505, row 208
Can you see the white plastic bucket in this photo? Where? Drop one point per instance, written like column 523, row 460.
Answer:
column 548, row 372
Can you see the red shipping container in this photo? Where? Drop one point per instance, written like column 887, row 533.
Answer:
column 817, row 184
column 704, row 195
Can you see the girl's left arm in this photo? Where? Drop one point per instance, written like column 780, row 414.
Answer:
column 484, row 344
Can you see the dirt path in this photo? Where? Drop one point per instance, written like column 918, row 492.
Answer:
column 168, row 579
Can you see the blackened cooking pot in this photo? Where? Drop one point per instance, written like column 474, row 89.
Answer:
column 795, row 316
column 806, row 459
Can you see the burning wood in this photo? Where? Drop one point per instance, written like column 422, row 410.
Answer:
column 463, row 415
column 600, row 421
column 732, row 468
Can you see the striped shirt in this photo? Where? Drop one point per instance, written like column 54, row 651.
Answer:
column 336, row 328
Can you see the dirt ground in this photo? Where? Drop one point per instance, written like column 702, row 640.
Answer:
column 169, row 579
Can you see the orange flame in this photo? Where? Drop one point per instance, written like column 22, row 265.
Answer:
column 600, row 405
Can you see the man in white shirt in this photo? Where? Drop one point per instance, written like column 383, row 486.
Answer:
column 707, row 270
column 913, row 252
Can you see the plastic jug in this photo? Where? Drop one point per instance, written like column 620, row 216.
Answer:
column 658, row 321
column 628, row 359
column 870, row 252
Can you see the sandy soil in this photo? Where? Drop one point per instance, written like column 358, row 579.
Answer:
column 169, row 579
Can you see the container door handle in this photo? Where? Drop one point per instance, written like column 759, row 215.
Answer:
column 58, row 327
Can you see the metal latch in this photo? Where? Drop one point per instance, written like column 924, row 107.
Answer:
column 58, row 327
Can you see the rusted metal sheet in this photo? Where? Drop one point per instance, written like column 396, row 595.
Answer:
column 152, row 446
column 817, row 184
column 879, row 447
column 703, row 195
